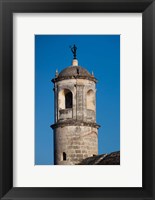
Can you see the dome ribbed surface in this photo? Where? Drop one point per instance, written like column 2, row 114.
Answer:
column 74, row 71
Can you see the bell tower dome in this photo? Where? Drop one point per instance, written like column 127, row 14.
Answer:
column 75, row 128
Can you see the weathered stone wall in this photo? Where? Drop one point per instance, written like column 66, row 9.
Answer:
column 90, row 115
column 82, row 104
column 77, row 142
column 65, row 114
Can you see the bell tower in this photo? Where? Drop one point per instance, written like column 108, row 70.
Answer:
column 75, row 128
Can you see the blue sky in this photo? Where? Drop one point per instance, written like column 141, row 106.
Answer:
column 97, row 53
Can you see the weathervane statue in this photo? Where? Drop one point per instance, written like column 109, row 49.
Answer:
column 74, row 49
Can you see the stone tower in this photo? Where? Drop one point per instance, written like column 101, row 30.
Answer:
column 75, row 128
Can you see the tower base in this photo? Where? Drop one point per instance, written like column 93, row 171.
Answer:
column 74, row 143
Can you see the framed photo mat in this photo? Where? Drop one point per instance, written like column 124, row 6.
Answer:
column 7, row 8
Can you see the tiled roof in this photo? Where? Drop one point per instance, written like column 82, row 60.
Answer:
column 103, row 159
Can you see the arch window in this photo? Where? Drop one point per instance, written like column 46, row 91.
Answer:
column 68, row 99
column 65, row 99
column 90, row 100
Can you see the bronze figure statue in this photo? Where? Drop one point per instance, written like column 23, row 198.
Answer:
column 74, row 49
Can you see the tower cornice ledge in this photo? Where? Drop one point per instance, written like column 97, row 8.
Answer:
column 74, row 77
column 74, row 123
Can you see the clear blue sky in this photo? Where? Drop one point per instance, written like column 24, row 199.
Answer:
column 97, row 53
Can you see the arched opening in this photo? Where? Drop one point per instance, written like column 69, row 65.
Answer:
column 90, row 100
column 68, row 99
column 64, row 157
column 65, row 99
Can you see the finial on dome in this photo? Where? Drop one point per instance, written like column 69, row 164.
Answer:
column 56, row 73
column 92, row 73
column 73, row 49
column 74, row 61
